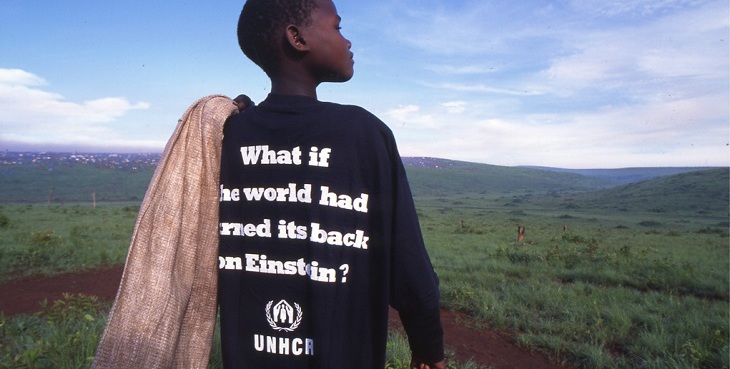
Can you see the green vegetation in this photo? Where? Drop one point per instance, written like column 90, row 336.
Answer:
column 455, row 178
column 701, row 194
column 398, row 355
column 603, row 279
column 633, row 276
column 598, row 295
column 40, row 239
column 71, row 183
column 65, row 335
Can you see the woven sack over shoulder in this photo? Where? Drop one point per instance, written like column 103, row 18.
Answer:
column 164, row 312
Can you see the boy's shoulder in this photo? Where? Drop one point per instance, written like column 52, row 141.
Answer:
column 281, row 111
column 295, row 106
column 355, row 110
column 356, row 114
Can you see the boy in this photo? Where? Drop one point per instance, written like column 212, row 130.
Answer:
column 318, row 231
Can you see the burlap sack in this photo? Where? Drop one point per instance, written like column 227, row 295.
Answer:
column 165, row 309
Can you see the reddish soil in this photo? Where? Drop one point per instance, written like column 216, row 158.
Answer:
column 483, row 346
column 25, row 295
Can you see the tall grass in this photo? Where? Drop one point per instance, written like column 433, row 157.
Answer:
column 598, row 294
column 40, row 239
column 398, row 355
column 71, row 183
column 598, row 284
column 65, row 335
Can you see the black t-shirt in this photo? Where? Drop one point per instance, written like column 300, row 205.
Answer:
column 318, row 235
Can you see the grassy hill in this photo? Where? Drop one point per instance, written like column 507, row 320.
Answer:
column 695, row 200
column 440, row 177
column 628, row 175
column 694, row 193
column 691, row 194
column 611, row 277
column 71, row 183
column 428, row 177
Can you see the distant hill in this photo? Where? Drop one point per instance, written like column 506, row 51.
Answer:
column 696, row 193
column 74, row 177
column 442, row 177
column 627, row 175
column 67, row 178
column 70, row 183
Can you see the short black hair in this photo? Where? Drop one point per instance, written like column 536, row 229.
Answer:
column 261, row 23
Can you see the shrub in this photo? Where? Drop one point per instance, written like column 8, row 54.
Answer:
column 64, row 335
column 4, row 221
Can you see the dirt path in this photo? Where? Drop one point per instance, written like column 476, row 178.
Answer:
column 480, row 345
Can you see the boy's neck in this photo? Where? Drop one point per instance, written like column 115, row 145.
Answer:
column 293, row 84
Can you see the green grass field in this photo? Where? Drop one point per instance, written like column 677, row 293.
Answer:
column 635, row 276
column 71, row 184
column 605, row 293
column 40, row 239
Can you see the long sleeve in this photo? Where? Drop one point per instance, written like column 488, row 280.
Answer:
column 414, row 292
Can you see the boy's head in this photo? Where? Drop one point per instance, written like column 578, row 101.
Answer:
column 261, row 24
column 302, row 30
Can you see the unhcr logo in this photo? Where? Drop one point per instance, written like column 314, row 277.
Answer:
column 281, row 316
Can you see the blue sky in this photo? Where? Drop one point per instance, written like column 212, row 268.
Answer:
column 574, row 83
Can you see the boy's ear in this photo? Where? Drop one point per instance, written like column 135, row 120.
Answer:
column 295, row 38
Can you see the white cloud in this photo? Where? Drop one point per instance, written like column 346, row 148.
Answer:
column 402, row 112
column 411, row 116
column 456, row 28
column 462, row 69
column 579, row 84
column 16, row 142
column 19, row 77
column 455, row 107
column 30, row 113
column 691, row 131
column 692, row 44
column 483, row 88
column 623, row 7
